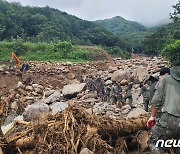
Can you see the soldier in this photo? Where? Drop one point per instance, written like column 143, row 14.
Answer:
column 128, row 94
column 107, row 92
column 166, row 96
column 145, row 93
column 114, row 93
column 81, row 80
column 153, row 81
column 163, row 72
column 119, row 93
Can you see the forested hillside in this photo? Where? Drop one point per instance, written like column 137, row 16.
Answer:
column 46, row 24
column 131, row 31
column 166, row 40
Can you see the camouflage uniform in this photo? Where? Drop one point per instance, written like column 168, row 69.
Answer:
column 145, row 93
column 128, row 95
column 166, row 96
column 107, row 93
column 116, row 93
column 152, row 89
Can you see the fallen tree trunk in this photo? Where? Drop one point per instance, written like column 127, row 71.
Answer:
column 123, row 127
column 73, row 129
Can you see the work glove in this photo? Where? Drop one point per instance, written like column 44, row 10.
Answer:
column 151, row 122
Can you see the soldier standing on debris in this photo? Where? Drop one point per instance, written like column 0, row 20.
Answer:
column 128, row 94
column 166, row 96
column 107, row 92
column 163, row 72
column 116, row 93
column 145, row 93
column 119, row 93
column 153, row 81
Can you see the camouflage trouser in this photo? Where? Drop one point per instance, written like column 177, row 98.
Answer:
column 167, row 127
column 114, row 99
column 158, row 116
column 107, row 98
column 129, row 97
column 146, row 103
column 119, row 99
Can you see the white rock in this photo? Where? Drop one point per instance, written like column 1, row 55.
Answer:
column 119, row 75
column 53, row 98
column 136, row 113
column 126, row 107
column 58, row 106
column 70, row 91
column 36, row 111
column 19, row 84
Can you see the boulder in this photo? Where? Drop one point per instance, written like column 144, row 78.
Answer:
column 120, row 75
column 136, row 113
column 36, row 111
column 53, row 98
column 70, row 76
column 141, row 74
column 71, row 90
column 58, row 106
column 19, row 84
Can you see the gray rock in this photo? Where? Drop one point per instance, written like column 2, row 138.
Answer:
column 30, row 88
column 120, row 75
column 49, row 92
column 36, row 111
column 14, row 105
column 126, row 107
column 19, row 84
column 53, row 98
column 58, row 106
column 136, row 113
column 70, row 91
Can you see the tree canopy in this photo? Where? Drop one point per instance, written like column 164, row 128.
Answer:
column 47, row 24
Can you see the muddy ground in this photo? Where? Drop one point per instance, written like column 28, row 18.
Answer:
column 84, row 126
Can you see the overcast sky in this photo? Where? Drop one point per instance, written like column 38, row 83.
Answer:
column 147, row 12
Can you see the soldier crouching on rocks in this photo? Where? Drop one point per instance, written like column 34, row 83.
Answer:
column 166, row 96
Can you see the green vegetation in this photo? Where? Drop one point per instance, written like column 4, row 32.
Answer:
column 131, row 31
column 166, row 40
column 118, row 52
column 35, row 24
column 59, row 51
column 172, row 51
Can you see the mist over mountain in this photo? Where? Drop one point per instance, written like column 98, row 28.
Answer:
column 133, row 32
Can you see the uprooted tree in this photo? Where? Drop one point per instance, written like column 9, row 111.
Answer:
column 71, row 130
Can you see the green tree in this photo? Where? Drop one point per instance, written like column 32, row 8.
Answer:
column 176, row 14
column 171, row 51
